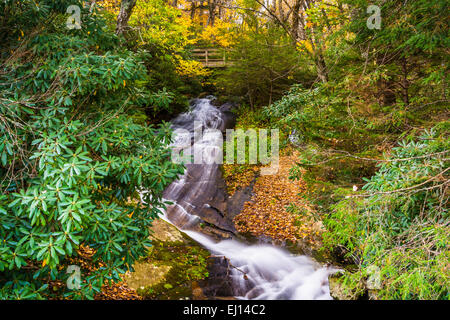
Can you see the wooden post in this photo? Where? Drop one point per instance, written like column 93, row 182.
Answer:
column 206, row 56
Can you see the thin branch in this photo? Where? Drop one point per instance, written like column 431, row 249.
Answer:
column 348, row 155
column 409, row 188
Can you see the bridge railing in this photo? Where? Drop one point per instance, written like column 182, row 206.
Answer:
column 211, row 57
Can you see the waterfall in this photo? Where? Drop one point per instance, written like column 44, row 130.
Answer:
column 258, row 271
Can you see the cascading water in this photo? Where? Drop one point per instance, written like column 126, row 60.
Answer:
column 258, row 271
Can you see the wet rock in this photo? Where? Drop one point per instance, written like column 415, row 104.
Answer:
column 206, row 199
column 219, row 282
column 174, row 261
column 200, row 195
column 203, row 95
column 145, row 275
column 373, row 294
column 163, row 231
column 236, row 202
column 229, row 120
column 374, row 280
column 197, row 292
column 338, row 290
column 228, row 107
column 215, row 232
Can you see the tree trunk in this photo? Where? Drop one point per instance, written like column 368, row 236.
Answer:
column 281, row 11
column 386, row 93
column 212, row 12
column 296, row 20
column 193, row 9
column 301, row 27
column 319, row 59
column 322, row 70
column 405, row 82
column 221, row 10
column 126, row 7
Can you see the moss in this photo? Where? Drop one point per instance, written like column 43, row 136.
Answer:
column 187, row 262
column 342, row 290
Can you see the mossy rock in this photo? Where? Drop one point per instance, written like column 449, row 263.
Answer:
column 173, row 267
column 338, row 289
column 146, row 275
column 164, row 231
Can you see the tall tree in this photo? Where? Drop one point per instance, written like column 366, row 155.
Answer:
column 126, row 8
column 212, row 12
column 294, row 23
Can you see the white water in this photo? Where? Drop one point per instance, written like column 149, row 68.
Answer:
column 270, row 273
column 259, row 271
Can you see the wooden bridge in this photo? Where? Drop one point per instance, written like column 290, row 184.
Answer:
column 212, row 57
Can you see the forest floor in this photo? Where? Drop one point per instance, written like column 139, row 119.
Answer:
column 267, row 214
column 118, row 291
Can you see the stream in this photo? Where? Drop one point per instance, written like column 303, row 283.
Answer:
column 200, row 209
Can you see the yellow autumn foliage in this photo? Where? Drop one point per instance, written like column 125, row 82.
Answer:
column 305, row 45
column 191, row 68
column 217, row 35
